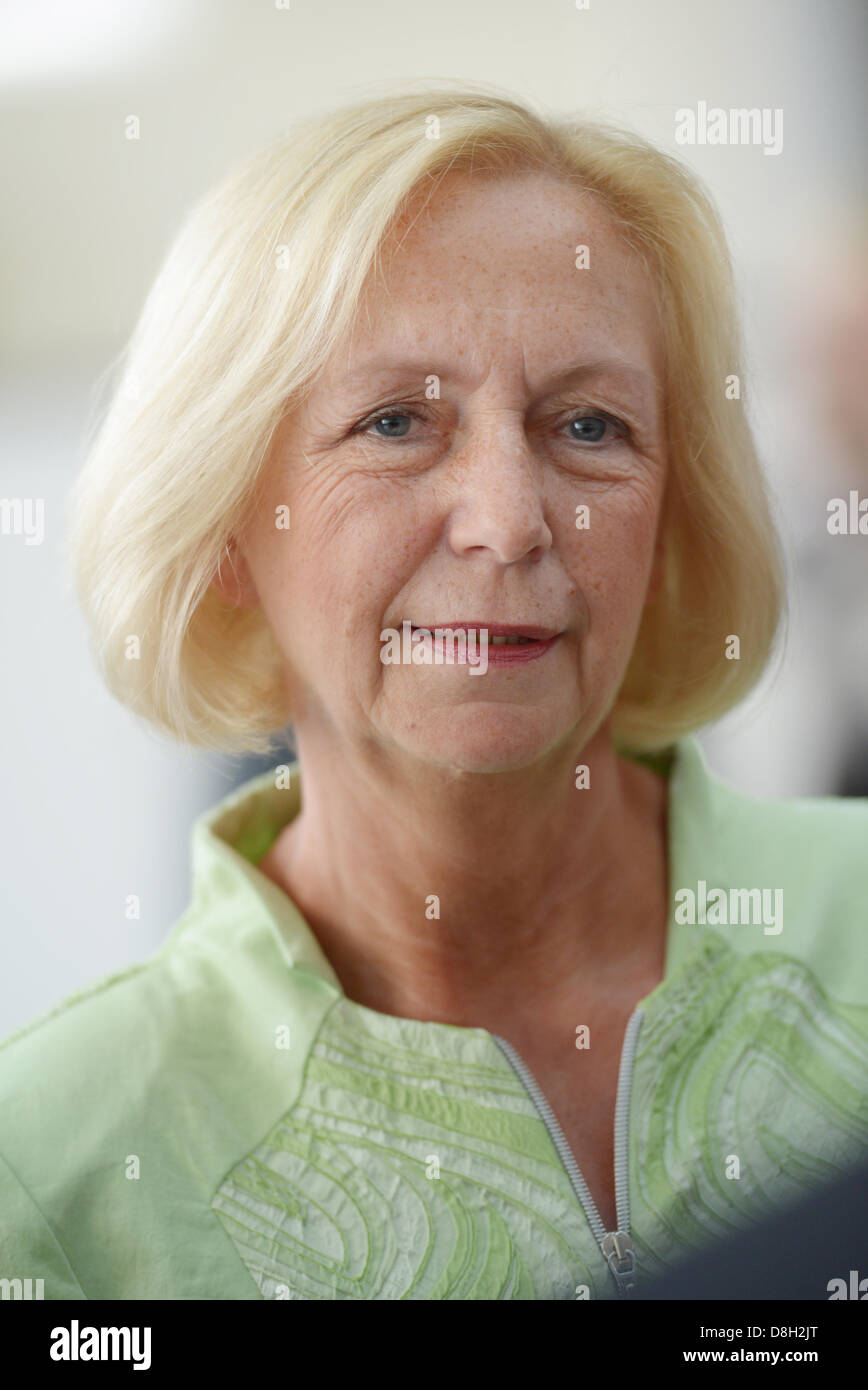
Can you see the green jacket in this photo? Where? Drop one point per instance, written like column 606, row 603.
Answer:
column 221, row 1122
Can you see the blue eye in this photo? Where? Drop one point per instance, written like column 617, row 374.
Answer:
column 395, row 424
column 592, row 428
column 392, row 418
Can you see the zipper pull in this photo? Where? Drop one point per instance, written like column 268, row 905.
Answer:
column 617, row 1248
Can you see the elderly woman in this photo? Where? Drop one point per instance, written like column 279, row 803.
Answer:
column 496, row 992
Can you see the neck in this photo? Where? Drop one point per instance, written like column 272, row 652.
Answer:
column 470, row 899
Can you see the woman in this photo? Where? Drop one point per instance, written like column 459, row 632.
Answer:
column 496, row 992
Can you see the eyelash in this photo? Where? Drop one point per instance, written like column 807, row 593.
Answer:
column 620, row 426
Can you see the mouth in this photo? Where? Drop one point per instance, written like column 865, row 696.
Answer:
column 499, row 634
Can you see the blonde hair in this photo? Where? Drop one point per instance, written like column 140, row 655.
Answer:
column 260, row 284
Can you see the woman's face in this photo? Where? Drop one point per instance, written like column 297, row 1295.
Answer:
column 437, row 510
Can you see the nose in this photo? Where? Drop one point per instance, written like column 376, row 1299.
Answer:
column 498, row 502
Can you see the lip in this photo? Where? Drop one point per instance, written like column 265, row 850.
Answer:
column 539, row 634
column 544, row 638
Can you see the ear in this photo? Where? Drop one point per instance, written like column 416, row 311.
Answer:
column 232, row 578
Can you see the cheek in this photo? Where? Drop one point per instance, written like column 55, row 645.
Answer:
column 329, row 584
column 610, row 562
column 302, row 568
column 361, row 541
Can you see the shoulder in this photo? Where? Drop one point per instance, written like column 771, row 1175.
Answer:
column 823, row 839
column 169, row 1070
column 811, row 853
column 66, row 1046
column 203, row 1001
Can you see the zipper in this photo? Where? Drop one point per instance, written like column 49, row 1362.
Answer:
column 615, row 1246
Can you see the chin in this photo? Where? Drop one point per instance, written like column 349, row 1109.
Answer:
column 488, row 737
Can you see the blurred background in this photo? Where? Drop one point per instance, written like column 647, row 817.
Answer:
column 94, row 805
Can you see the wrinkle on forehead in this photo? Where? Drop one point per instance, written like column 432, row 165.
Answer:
column 487, row 268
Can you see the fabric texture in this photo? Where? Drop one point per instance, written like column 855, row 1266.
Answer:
column 220, row 1121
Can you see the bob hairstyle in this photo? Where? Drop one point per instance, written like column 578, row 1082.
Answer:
column 258, row 288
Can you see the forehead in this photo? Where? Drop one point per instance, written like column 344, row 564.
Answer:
column 488, row 268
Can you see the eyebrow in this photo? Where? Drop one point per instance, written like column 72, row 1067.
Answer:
column 629, row 372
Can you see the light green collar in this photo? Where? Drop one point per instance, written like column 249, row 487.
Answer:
column 231, row 838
